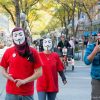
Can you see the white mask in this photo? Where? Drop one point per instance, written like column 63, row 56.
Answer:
column 18, row 37
column 47, row 44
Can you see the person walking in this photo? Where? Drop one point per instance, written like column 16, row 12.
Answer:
column 21, row 65
column 92, row 56
column 47, row 84
column 71, row 42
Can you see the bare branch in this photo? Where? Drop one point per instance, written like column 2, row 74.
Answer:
column 9, row 13
column 21, row 5
column 33, row 3
column 87, row 12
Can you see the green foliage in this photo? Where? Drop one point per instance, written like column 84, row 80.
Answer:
column 60, row 11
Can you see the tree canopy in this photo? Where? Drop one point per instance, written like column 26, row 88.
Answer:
column 46, row 15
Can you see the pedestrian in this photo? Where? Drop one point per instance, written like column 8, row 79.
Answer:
column 41, row 45
column 86, row 42
column 21, row 65
column 71, row 42
column 63, row 43
column 47, row 84
column 92, row 56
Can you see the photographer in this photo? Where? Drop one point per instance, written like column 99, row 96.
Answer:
column 92, row 56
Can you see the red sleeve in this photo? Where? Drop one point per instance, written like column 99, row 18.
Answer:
column 60, row 66
column 38, row 61
column 4, row 60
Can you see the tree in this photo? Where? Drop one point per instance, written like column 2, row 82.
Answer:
column 61, row 11
column 75, row 7
column 14, row 7
column 7, row 7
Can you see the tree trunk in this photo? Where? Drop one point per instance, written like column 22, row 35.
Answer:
column 17, row 8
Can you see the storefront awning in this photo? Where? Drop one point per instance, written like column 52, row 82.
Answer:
column 94, row 33
column 86, row 34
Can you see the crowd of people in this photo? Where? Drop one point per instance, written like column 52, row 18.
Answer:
column 22, row 64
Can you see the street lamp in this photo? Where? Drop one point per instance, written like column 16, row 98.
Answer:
column 69, row 27
column 81, row 23
column 24, row 22
column 23, row 19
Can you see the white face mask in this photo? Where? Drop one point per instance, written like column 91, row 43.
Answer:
column 47, row 44
column 18, row 37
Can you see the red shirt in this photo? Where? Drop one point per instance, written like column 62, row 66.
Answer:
column 20, row 68
column 48, row 82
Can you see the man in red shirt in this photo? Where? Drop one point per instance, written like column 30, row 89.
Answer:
column 21, row 65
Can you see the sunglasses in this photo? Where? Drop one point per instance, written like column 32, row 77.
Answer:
column 62, row 37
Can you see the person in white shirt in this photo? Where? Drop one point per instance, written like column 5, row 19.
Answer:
column 72, row 42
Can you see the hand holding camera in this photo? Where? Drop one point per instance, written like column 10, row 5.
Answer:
column 98, row 38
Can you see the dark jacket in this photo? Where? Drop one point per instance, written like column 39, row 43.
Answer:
column 62, row 45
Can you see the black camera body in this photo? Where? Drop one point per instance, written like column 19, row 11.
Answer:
column 98, row 42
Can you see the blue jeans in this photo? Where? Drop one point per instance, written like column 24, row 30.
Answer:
column 18, row 97
column 49, row 95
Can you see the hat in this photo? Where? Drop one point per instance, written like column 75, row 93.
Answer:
column 17, row 29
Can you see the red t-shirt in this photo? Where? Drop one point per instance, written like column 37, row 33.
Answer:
column 48, row 82
column 20, row 68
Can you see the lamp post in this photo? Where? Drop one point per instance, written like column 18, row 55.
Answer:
column 69, row 27
column 81, row 23
column 23, row 19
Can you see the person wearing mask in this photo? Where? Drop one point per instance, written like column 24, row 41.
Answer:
column 21, row 65
column 92, row 56
column 47, row 84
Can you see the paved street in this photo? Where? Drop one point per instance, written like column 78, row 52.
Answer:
column 78, row 87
